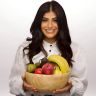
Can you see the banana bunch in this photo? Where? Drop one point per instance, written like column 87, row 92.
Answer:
column 57, row 70
column 61, row 62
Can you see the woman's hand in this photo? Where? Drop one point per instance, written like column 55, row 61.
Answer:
column 28, row 87
column 65, row 89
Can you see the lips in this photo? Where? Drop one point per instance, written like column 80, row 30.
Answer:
column 50, row 30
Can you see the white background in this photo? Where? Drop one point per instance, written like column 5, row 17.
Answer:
column 16, row 17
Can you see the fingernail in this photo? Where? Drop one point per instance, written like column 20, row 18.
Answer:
column 34, row 88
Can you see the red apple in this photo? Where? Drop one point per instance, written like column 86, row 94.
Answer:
column 48, row 68
column 38, row 71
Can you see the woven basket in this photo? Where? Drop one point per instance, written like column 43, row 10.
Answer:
column 46, row 83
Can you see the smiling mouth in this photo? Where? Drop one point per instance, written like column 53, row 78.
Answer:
column 50, row 30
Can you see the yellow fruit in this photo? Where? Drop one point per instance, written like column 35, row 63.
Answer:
column 57, row 70
column 61, row 62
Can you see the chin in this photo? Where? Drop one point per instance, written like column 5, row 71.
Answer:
column 50, row 37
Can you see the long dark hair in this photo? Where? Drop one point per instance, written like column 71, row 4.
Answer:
column 63, row 37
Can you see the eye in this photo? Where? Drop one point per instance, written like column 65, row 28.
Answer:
column 55, row 20
column 44, row 20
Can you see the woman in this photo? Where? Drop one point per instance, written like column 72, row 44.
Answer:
column 50, row 35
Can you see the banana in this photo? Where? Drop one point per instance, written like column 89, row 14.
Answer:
column 57, row 70
column 61, row 62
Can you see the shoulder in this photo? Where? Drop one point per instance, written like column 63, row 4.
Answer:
column 79, row 54
column 23, row 45
column 77, row 49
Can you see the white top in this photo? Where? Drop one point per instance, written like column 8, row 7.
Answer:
column 78, row 75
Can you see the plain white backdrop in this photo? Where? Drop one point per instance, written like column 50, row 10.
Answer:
column 16, row 17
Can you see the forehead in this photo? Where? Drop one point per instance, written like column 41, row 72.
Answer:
column 50, row 14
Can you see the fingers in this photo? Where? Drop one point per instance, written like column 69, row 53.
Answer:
column 65, row 89
column 29, row 87
column 58, row 91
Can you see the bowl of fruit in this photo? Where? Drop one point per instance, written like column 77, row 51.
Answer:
column 50, row 76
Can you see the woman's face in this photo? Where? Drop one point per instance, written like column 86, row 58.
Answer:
column 49, row 25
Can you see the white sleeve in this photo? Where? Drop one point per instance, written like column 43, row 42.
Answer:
column 18, row 70
column 79, row 74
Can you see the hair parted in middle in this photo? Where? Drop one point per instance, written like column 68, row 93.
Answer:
column 63, row 37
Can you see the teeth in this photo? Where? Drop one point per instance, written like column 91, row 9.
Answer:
column 49, row 30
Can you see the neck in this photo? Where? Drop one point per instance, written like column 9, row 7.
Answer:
column 50, row 40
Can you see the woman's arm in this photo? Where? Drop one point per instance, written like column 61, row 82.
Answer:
column 18, row 70
column 78, row 81
column 79, row 74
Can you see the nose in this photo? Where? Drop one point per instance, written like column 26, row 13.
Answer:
column 50, row 24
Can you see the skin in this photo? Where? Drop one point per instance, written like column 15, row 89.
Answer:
column 65, row 89
column 49, row 28
column 28, row 87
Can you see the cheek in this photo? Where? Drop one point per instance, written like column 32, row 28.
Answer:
column 43, row 25
column 56, row 25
